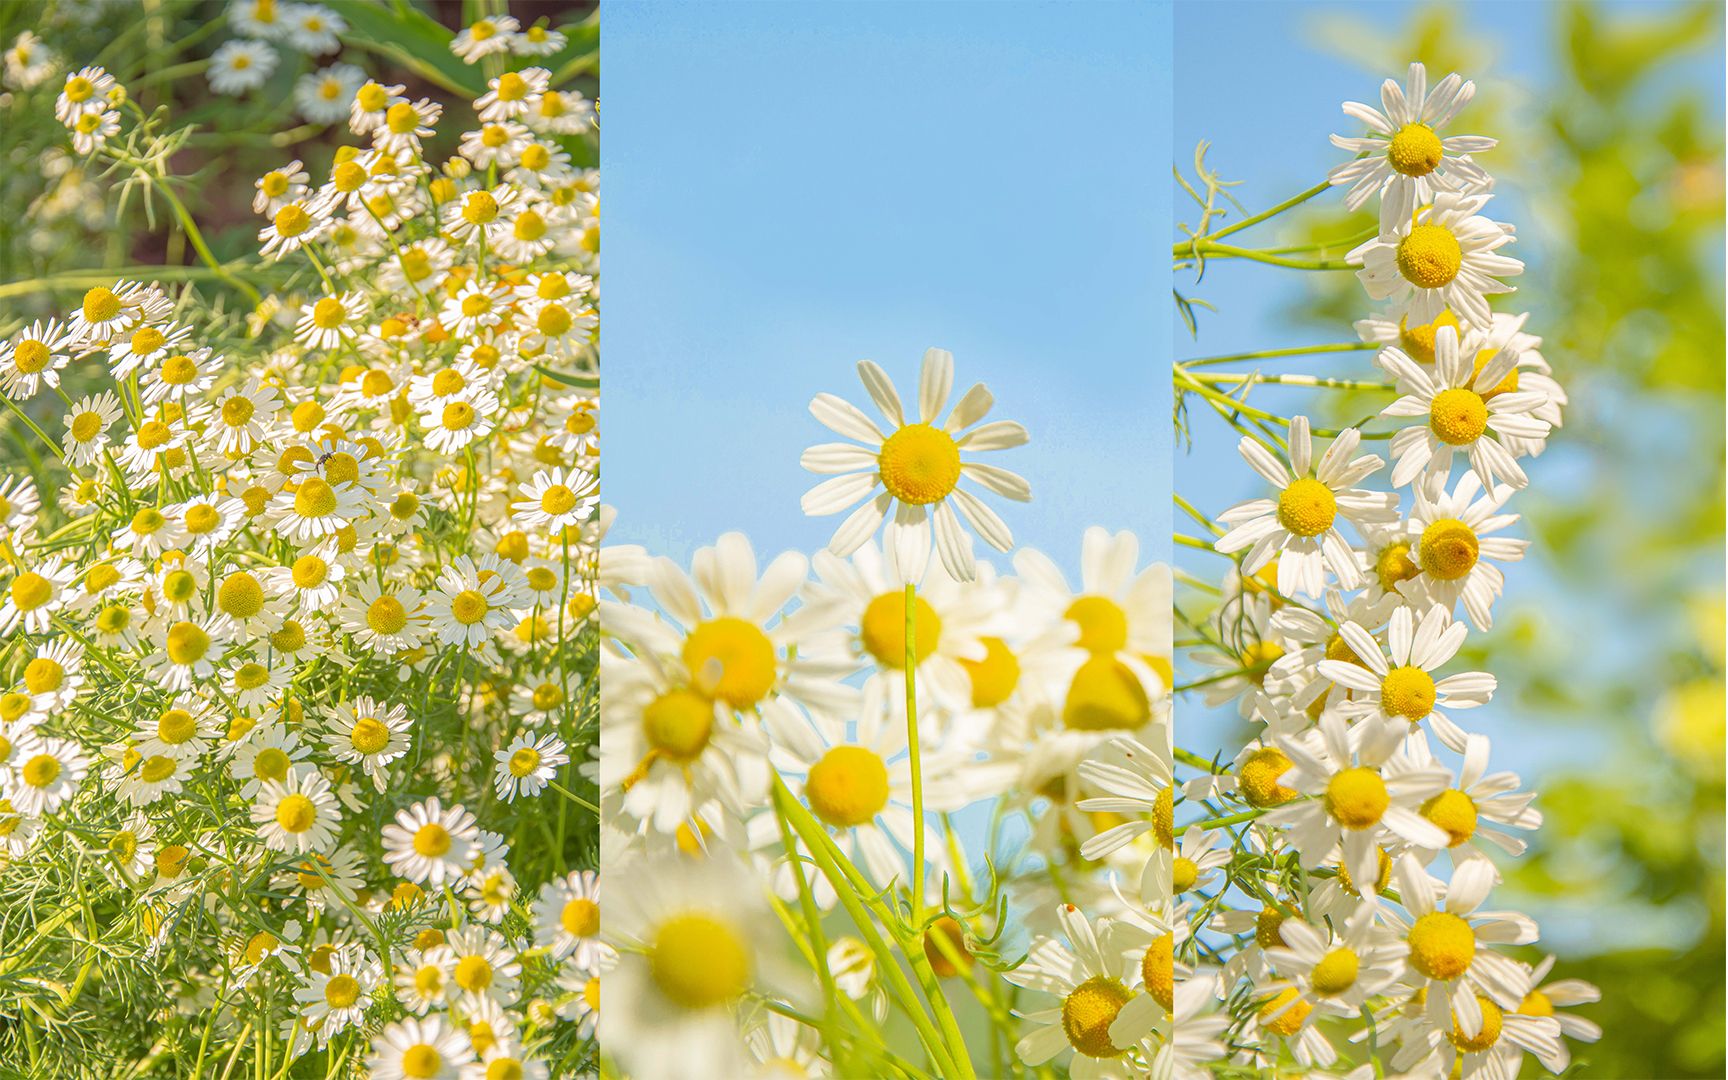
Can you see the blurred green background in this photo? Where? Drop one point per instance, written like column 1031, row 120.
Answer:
column 1609, row 643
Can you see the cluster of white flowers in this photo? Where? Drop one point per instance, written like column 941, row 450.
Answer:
column 294, row 658
column 759, row 776
column 1329, row 883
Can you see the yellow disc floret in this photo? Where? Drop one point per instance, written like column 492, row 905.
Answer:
column 1429, row 257
column 1357, row 797
column 1307, row 507
column 698, row 961
column 1407, row 692
column 920, row 464
column 882, row 630
column 848, row 786
column 1448, row 549
column 1088, row 1012
column 1441, row 945
column 1415, row 150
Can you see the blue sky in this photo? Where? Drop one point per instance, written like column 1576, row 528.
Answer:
column 791, row 188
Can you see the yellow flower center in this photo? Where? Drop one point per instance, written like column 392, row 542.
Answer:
column 86, row 426
column 292, row 637
column 549, row 695
column 883, row 630
column 1453, row 811
column 1258, row 778
column 31, row 590
column 371, row 97
column 512, row 87
column 43, row 675
column 240, row 595
column 421, row 1062
column 176, row 726
column 315, row 499
column 580, row 918
column 678, row 724
column 41, row 770
column 1103, row 624
column 458, row 416
column 147, row 340
column 1268, row 927
column 292, row 220
column 1448, row 549
column 328, row 313
column 1164, row 817
column 482, row 30
column 1393, row 564
column 1158, row 970
column 369, row 736
column 469, row 607
column 342, row 991
column 554, row 319
column 536, row 157
column 251, row 676
column 401, row 118
column 529, row 226
column 1357, row 798
column 479, row 208
column 1441, row 945
column 1483, row 1039
column 79, row 89
column 524, row 761
column 1105, row 695
column 848, row 786
column 731, row 659
column 187, row 643
column 1458, row 416
column 1184, row 873
column 1307, row 507
column 1407, row 692
column 30, row 356
column 260, row 945
column 919, row 464
column 1429, row 257
column 100, row 305
column 473, row 973
column 310, row 571
column 1536, row 1003
column 432, row 840
column 386, row 616
column 698, row 961
column 1283, row 1014
column 1415, row 150
column 557, row 499
column 296, row 813
column 270, row 763
column 1088, row 1012
column 995, row 676
column 1258, row 658
column 1336, row 972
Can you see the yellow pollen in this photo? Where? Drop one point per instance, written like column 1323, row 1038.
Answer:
column 1103, row 624
column 348, row 176
column 1407, row 692
column 292, row 637
column 292, row 220
column 100, row 305
column 152, row 434
column 1357, row 798
column 1164, row 818
column 315, row 499
column 1335, row 973
column 1104, row 695
column 677, row 724
column 296, row 813
column 1415, row 150
column 1442, row 945
column 342, row 991
column 1458, row 417
column 1283, row 1015
column 1429, row 257
column 31, row 590
column 458, row 416
column 310, row 571
column 524, row 761
column 919, row 464
column 1258, row 778
column 1307, row 507
column 479, row 208
column 1454, row 812
column 535, row 157
column 386, row 616
column 883, row 630
column 371, row 97
column 732, row 660
column 1393, row 564
column 1483, row 1039
column 557, row 499
column 251, row 676
column 1184, row 873
column 432, row 840
column 995, row 676
column 401, row 118
column 580, row 918
column 473, row 973
column 240, row 596
column 369, row 736
column 848, row 786
column 187, row 643
column 43, row 675
column 30, row 356
column 554, row 320
column 1158, row 970
column 699, row 962
column 328, row 313
column 176, row 726
column 41, row 770
column 1088, row 1012
column 306, row 416
column 78, row 89
column 1448, row 549
column 469, row 607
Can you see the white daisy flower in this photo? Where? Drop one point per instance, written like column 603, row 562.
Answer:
column 484, row 37
column 295, row 223
column 1452, row 538
column 428, row 844
column 368, row 733
column 1092, row 978
column 556, row 500
column 1404, row 159
column 86, row 90
column 512, row 93
column 473, row 215
column 1400, row 695
column 497, row 142
column 371, row 106
column 239, row 65
column 33, row 357
column 338, row 998
column 1460, row 415
column 34, row 595
column 298, row 813
column 278, row 187
column 527, row 765
column 331, row 321
column 431, row 1048
column 1445, row 256
column 1481, row 810
column 48, row 773
column 383, row 619
column 459, row 422
column 537, row 40
column 92, row 130
column 1299, row 528
column 567, row 920
column 313, row 29
column 916, row 466
column 183, row 730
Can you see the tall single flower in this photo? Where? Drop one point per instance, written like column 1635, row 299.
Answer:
column 915, row 468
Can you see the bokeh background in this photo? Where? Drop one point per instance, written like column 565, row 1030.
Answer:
column 1609, row 642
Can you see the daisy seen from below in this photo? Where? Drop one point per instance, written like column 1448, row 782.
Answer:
column 1092, row 979
column 915, row 469
column 1396, row 688
column 1445, row 256
column 1455, row 551
column 1405, row 159
column 1299, row 527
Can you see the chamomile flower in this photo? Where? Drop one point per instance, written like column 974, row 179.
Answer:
column 567, row 920
column 431, row 1048
column 19, row 503
column 33, row 357
column 239, row 65
column 34, row 595
column 484, row 37
column 527, row 765
column 92, row 130
column 1454, row 548
column 406, row 124
column 556, row 500
column 331, row 321
column 371, row 106
column 86, row 90
column 1465, row 412
column 313, row 29
column 293, row 224
column 298, row 813
column 1299, row 528
column 108, row 312
column 385, row 619
column 430, row 844
column 1444, row 257
column 278, row 187
column 183, row 729
column 511, row 94
column 338, row 997
column 1403, row 693
column 87, row 423
column 917, row 465
column 315, row 508
column 1404, row 159
column 47, row 774
column 451, row 427
column 29, row 63
column 368, row 733
column 1092, row 981
column 419, row 267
